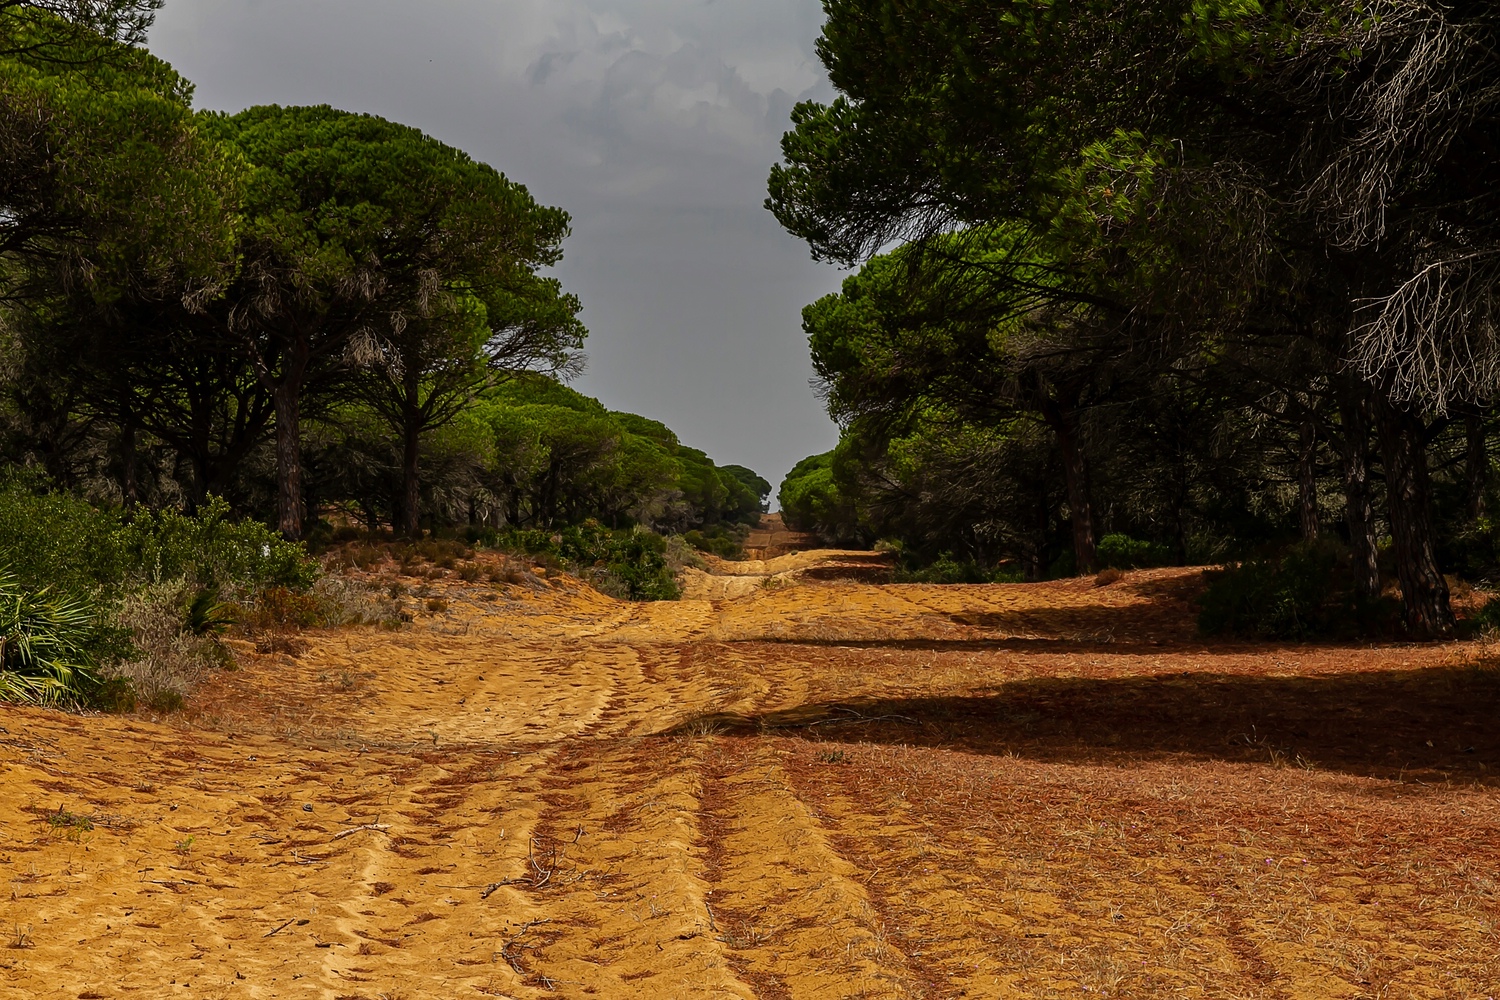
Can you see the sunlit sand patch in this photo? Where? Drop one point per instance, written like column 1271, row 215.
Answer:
column 817, row 788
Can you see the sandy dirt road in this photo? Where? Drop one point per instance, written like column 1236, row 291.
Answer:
column 815, row 789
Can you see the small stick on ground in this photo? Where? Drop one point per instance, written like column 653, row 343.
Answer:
column 382, row 827
column 515, row 960
column 273, row 933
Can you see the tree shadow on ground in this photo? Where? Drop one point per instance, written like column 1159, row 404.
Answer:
column 1433, row 725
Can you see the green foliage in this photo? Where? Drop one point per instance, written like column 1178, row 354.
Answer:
column 1487, row 618
column 102, row 163
column 638, row 562
column 1117, row 551
column 206, row 615
column 213, row 551
column 631, row 563
column 946, row 569
column 55, row 540
column 76, row 565
column 1304, row 593
column 560, row 458
column 48, row 645
column 809, row 498
column 720, row 540
column 756, row 485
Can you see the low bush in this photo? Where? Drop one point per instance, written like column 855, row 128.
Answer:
column 171, row 656
column 213, row 552
column 1487, row 618
column 50, row 645
column 1305, row 592
column 631, row 565
column 724, row 541
column 945, row 569
column 638, row 563
column 1117, row 551
column 339, row 601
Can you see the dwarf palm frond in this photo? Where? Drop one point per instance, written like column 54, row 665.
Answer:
column 44, row 644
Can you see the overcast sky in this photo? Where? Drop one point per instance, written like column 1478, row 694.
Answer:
column 653, row 122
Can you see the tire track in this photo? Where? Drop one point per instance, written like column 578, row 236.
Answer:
column 784, row 900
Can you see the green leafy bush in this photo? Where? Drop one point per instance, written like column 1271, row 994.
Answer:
column 1117, row 551
column 101, row 606
column 946, row 569
column 639, row 563
column 213, row 551
column 49, row 645
column 1304, row 593
column 57, row 541
column 628, row 564
column 720, row 540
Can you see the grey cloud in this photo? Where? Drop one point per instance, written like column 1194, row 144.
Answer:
column 654, row 122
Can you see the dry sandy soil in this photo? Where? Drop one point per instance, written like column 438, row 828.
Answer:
column 816, row 788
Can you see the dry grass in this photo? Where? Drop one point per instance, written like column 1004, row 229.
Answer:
column 172, row 661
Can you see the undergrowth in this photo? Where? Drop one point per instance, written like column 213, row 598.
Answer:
column 1305, row 592
column 629, row 564
column 102, row 607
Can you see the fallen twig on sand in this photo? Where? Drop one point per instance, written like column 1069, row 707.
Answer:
column 273, row 933
column 515, row 960
column 489, row 890
column 382, row 827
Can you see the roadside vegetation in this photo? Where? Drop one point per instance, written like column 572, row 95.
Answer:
column 226, row 340
column 1171, row 283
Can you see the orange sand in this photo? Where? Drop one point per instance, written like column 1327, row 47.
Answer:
column 816, row 789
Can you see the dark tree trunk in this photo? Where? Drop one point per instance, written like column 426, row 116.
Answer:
column 286, row 397
column 130, row 488
column 1307, row 480
column 411, row 454
column 1063, row 421
column 1359, row 513
column 288, row 461
column 1424, row 592
column 1477, row 464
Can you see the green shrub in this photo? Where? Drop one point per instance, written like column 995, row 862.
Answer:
column 58, row 542
column 946, row 569
column 214, row 552
column 627, row 564
column 1117, row 551
column 1488, row 617
column 638, row 561
column 1304, row 593
column 49, row 645
column 720, row 540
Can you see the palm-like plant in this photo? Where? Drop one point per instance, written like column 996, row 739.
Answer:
column 44, row 644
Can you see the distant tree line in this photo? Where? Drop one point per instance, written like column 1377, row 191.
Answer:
column 306, row 312
column 1207, row 274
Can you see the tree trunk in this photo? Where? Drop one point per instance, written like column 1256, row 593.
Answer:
column 286, row 397
column 1424, row 592
column 130, row 488
column 1477, row 464
column 288, row 460
column 411, row 453
column 1076, row 474
column 1359, row 513
column 1307, row 479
